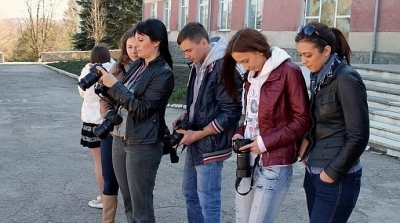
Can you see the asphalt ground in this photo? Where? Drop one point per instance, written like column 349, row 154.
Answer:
column 46, row 176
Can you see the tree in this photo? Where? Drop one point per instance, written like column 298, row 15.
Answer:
column 38, row 27
column 119, row 16
column 96, row 22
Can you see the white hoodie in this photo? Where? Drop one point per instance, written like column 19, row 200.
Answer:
column 90, row 112
column 278, row 56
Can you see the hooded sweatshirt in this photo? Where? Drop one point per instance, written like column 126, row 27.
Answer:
column 217, row 52
column 278, row 56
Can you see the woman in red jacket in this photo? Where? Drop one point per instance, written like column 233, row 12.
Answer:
column 276, row 117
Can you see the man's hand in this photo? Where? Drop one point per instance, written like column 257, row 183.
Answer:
column 191, row 136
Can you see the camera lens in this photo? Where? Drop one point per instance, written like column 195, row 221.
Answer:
column 88, row 80
column 243, row 164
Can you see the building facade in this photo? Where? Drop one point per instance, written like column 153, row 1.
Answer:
column 372, row 27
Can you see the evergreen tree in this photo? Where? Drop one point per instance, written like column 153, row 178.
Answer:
column 120, row 16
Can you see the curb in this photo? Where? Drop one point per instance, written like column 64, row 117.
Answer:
column 179, row 106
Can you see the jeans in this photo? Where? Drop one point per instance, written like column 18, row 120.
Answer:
column 110, row 181
column 201, row 188
column 262, row 203
column 331, row 203
column 136, row 169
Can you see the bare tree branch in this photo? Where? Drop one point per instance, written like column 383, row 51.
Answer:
column 96, row 26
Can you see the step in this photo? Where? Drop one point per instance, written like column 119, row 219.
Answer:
column 394, row 74
column 384, row 103
column 384, row 116
column 385, row 130
column 390, row 147
column 383, row 92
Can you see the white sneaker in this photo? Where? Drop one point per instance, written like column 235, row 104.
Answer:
column 94, row 204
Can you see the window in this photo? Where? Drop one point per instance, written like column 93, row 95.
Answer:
column 183, row 13
column 203, row 13
column 333, row 13
column 153, row 10
column 225, row 13
column 254, row 13
column 167, row 14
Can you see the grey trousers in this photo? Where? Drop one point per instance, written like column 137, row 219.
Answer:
column 136, row 168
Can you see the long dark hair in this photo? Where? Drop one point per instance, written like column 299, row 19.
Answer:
column 124, row 57
column 327, row 37
column 245, row 40
column 156, row 30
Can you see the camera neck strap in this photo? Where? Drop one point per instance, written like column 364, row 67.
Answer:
column 238, row 179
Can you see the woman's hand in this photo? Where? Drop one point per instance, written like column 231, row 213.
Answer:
column 253, row 147
column 325, row 178
column 302, row 150
column 105, row 105
column 106, row 78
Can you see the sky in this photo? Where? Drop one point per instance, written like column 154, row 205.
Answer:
column 18, row 9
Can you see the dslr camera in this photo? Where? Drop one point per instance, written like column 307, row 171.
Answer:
column 110, row 120
column 243, row 158
column 183, row 124
column 92, row 77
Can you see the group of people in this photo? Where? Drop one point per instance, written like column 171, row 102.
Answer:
column 327, row 131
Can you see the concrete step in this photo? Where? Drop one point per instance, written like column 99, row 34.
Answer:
column 389, row 146
column 393, row 74
column 384, row 116
column 385, row 130
column 384, row 103
column 383, row 92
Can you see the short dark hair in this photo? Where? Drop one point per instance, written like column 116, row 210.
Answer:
column 100, row 54
column 193, row 31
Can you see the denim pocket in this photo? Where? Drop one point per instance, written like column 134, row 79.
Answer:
column 269, row 173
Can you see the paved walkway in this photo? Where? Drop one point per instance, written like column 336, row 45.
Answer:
column 46, row 176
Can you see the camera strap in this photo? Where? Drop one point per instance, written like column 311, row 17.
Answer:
column 238, row 180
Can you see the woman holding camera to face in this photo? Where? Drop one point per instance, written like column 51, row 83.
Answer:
column 276, row 117
column 119, row 70
column 143, row 93
column 90, row 115
column 340, row 124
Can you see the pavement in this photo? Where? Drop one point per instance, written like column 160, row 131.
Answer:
column 46, row 176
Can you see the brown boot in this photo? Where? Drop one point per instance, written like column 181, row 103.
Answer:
column 109, row 208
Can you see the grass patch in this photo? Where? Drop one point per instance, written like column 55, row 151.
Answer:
column 73, row 67
column 181, row 74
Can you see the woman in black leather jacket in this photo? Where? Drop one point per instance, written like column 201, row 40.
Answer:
column 340, row 124
column 143, row 96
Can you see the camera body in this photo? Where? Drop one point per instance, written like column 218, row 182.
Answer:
column 183, row 124
column 243, row 158
column 91, row 78
column 110, row 120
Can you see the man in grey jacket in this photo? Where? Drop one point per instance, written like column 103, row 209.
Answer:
column 210, row 108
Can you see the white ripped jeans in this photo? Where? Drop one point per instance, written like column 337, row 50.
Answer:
column 262, row 204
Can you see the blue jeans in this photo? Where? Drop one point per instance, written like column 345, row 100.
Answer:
column 202, row 190
column 262, row 203
column 110, row 181
column 331, row 203
column 136, row 169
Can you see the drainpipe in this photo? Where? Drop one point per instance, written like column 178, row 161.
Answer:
column 371, row 53
column 210, row 10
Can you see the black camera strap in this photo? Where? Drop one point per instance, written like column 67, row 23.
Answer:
column 238, row 180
